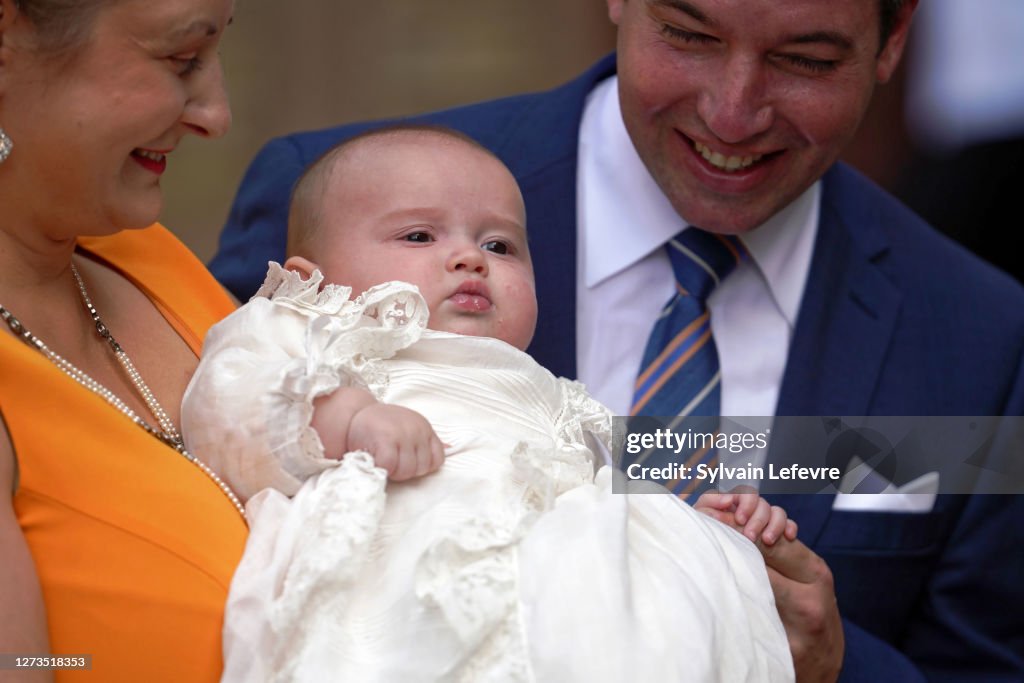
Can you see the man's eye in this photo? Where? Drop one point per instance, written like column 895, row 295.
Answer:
column 812, row 65
column 497, row 246
column 419, row 237
column 674, row 33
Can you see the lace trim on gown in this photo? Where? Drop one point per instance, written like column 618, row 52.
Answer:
column 344, row 340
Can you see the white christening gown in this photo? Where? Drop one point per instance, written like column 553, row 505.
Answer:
column 514, row 562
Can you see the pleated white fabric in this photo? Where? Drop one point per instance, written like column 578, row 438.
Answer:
column 514, row 562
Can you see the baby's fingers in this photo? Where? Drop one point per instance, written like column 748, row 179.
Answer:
column 436, row 454
column 747, row 504
column 758, row 519
column 712, row 500
column 425, row 456
column 777, row 526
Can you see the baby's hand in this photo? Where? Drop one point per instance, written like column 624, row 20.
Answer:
column 750, row 514
column 400, row 440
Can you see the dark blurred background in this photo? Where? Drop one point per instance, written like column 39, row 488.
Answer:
column 312, row 63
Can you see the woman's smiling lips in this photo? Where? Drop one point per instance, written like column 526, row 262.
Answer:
column 151, row 160
column 472, row 296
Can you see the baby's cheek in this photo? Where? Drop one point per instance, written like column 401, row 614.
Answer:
column 519, row 319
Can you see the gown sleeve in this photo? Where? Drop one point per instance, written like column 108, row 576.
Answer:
column 248, row 410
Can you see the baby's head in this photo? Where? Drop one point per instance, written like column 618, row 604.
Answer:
column 427, row 206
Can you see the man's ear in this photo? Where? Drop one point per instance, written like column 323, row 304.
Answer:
column 301, row 265
column 615, row 10
column 889, row 57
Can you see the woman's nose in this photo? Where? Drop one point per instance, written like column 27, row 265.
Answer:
column 207, row 112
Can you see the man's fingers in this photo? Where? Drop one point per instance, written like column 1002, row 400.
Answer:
column 796, row 562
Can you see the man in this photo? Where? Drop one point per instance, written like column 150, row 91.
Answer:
column 730, row 115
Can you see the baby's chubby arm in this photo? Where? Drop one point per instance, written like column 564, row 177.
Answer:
column 400, row 440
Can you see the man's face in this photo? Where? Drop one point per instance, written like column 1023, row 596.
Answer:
column 737, row 106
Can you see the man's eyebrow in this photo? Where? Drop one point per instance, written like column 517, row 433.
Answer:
column 835, row 38
column 840, row 40
column 686, row 8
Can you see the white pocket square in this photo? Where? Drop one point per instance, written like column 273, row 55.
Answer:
column 917, row 496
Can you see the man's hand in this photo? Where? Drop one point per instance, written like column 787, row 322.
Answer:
column 400, row 440
column 806, row 600
column 800, row 580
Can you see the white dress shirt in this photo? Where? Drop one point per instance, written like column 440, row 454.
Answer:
column 624, row 277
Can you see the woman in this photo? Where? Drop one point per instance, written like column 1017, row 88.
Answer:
column 115, row 544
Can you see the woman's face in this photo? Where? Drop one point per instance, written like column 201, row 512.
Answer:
column 94, row 131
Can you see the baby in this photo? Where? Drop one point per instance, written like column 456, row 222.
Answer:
column 513, row 561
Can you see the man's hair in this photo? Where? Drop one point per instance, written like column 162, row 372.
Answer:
column 887, row 11
column 305, row 215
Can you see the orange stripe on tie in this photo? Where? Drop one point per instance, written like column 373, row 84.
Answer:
column 671, row 371
column 731, row 246
column 672, row 346
column 695, row 458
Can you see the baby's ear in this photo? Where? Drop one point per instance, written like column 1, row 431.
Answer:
column 301, row 265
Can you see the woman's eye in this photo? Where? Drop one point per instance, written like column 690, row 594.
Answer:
column 497, row 246
column 187, row 65
column 418, row 237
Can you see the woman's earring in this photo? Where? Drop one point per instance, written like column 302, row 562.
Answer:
column 5, row 146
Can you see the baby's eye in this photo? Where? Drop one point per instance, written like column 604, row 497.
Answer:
column 419, row 237
column 497, row 246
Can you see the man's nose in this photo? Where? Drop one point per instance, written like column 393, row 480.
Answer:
column 734, row 104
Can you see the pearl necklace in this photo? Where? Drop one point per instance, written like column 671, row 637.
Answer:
column 167, row 433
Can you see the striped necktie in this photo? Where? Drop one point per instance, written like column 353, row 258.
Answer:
column 679, row 375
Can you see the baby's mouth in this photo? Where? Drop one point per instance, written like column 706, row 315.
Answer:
column 472, row 296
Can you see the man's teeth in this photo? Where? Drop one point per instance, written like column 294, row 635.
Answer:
column 723, row 162
column 155, row 156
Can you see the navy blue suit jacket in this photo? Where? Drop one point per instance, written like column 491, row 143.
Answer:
column 896, row 320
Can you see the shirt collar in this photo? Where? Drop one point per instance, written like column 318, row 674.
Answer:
column 610, row 169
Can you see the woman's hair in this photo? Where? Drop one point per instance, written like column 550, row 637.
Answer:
column 63, row 26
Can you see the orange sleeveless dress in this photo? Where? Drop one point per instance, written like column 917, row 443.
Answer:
column 134, row 546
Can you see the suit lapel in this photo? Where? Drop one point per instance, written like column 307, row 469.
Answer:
column 849, row 310
column 846, row 323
